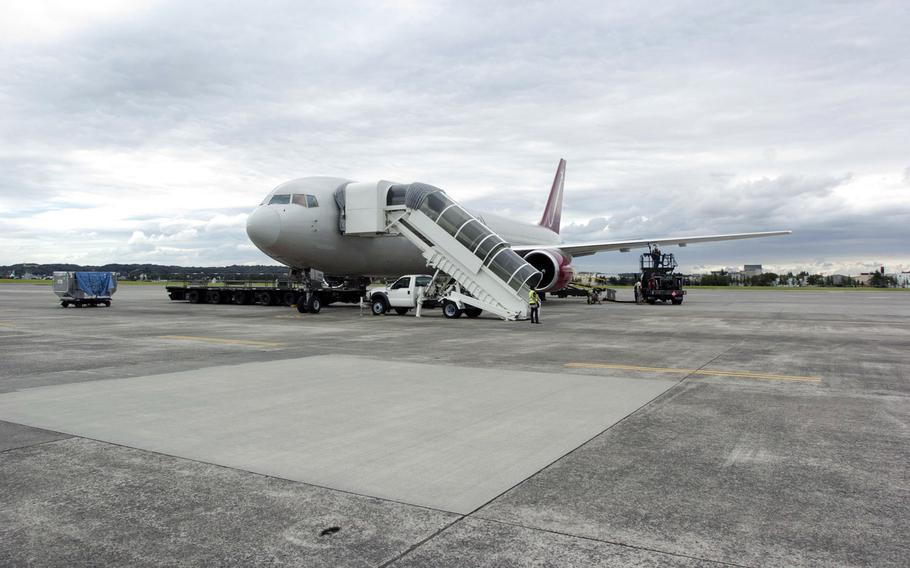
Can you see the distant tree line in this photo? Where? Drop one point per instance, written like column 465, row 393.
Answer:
column 147, row 271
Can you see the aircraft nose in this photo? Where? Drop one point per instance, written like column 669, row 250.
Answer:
column 263, row 227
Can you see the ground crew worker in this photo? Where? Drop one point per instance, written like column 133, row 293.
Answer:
column 534, row 303
column 655, row 257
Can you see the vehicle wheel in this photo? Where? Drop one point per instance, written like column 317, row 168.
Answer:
column 288, row 298
column 677, row 301
column 240, row 298
column 107, row 303
column 450, row 310
column 65, row 304
column 301, row 306
column 263, row 298
column 472, row 311
column 379, row 306
column 314, row 305
column 175, row 295
column 652, row 301
column 213, row 297
column 401, row 311
column 193, row 296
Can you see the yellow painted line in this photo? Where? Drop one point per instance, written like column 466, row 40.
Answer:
column 706, row 372
column 6, row 324
column 223, row 341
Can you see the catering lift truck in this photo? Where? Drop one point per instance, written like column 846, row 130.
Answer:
column 658, row 280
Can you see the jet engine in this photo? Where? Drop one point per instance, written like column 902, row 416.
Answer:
column 555, row 266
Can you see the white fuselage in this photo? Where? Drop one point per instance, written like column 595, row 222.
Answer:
column 309, row 237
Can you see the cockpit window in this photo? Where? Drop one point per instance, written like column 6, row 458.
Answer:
column 305, row 200
column 280, row 199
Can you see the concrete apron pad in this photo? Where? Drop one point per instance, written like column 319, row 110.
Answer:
column 450, row 438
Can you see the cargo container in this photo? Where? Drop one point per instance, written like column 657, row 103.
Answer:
column 85, row 288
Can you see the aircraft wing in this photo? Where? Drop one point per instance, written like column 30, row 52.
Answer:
column 584, row 249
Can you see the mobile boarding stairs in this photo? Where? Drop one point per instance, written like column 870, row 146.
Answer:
column 474, row 266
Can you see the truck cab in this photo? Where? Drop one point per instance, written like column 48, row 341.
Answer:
column 400, row 296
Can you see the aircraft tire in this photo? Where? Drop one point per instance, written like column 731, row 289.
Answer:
column 314, row 305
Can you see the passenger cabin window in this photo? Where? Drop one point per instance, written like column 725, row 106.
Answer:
column 402, row 283
column 282, row 199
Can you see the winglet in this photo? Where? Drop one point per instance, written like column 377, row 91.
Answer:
column 553, row 211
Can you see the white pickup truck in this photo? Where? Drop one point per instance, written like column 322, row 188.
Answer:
column 403, row 294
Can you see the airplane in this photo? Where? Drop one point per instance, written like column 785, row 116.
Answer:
column 297, row 224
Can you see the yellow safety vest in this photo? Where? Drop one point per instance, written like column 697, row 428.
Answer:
column 533, row 298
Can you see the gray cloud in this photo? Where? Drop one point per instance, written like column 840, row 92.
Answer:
column 682, row 118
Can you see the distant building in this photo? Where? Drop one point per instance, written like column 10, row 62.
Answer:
column 903, row 279
column 750, row 270
column 864, row 279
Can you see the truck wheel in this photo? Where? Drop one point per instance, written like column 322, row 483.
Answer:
column 401, row 311
column 472, row 311
column 107, row 303
column 652, row 301
column 314, row 306
column 677, row 301
column 450, row 310
column 213, row 296
column 288, row 298
column 240, row 298
column 379, row 306
column 65, row 304
column 263, row 298
column 193, row 296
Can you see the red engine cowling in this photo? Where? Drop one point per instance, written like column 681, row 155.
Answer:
column 555, row 266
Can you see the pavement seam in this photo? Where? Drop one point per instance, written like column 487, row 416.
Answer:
column 614, row 543
column 266, row 475
column 61, row 439
column 420, row 543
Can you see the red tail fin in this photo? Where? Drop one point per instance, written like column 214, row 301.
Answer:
column 553, row 211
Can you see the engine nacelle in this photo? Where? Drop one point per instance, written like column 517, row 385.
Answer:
column 555, row 266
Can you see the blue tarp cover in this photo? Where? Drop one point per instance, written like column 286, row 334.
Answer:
column 95, row 283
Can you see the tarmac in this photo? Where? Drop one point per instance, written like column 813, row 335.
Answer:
column 744, row 428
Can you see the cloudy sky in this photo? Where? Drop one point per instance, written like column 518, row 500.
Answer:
column 146, row 131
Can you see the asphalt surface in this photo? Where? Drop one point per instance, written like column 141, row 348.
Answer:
column 783, row 438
